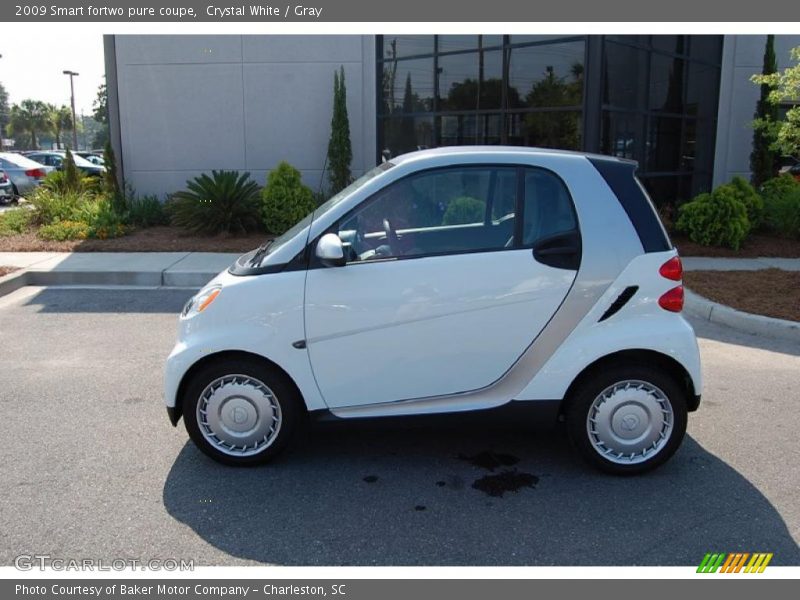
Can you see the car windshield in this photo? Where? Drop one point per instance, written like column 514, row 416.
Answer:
column 271, row 246
column 80, row 161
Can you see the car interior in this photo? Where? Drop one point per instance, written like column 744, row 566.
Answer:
column 464, row 209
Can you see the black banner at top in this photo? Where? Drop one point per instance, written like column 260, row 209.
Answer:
column 459, row 11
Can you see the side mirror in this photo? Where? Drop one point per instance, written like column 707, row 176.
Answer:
column 330, row 251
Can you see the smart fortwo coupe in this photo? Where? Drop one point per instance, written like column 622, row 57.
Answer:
column 448, row 280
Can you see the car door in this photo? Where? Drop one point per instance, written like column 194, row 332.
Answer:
column 442, row 291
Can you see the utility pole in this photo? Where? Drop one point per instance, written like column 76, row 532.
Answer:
column 73, row 74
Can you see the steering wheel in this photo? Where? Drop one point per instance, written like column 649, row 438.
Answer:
column 391, row 235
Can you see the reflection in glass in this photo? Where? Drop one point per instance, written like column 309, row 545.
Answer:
column 546, row 76
column 468, row 129
column 624, row 76
column 453, row 43
column 398, row 46
column 407, row 86
column 546, row 129
column 406, row 133
column 471, row 81
column 621, row 135
column 666, row 84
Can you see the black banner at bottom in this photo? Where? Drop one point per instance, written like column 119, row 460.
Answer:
column 388, row 589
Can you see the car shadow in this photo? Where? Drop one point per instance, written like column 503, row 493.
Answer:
column 360, row 494
column 110, row 300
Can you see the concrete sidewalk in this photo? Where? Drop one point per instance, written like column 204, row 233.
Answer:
column 168, row 269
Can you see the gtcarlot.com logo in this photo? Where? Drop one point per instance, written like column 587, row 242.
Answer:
column 735, row 562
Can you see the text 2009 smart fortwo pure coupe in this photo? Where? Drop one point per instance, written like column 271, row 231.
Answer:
column 447, row 280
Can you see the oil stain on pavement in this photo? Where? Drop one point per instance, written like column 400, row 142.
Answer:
column 509, row 480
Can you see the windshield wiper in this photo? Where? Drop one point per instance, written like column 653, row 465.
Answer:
column 260, row 253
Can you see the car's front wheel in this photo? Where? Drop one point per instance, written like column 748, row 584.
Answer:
column 627, row 419
column 240, row 411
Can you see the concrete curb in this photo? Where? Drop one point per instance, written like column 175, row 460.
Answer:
column 714, row 312
column 18, row 279
column 13, row 281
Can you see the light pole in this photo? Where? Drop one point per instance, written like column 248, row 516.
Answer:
column 72, row 101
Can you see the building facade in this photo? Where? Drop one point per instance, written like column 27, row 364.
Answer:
column 680, row 105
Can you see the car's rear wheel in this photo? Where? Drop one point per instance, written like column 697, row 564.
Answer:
column 241, row 412
column 627, row 419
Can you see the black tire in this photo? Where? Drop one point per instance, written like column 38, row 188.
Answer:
column 284, row 393
column 583, row 396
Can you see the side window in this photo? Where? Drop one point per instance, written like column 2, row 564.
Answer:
column 453, row 210
column 548, row 207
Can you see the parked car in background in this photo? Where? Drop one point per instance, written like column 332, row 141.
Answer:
column 55, row 159
column 25, row 174
column 6, row 189
column 451, row 280
column 92, row 157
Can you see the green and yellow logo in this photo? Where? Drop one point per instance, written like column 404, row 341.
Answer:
column 735, row 562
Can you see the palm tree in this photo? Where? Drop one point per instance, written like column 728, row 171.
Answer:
column 60, row 121
column 29, row 117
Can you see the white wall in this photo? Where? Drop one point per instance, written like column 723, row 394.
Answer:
column 743, row 56
column 189, row 104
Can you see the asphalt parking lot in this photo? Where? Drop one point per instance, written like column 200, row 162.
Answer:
column 92, row 469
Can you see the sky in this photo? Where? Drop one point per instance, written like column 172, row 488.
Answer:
column 31, row 66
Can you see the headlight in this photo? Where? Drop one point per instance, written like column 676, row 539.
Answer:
column 201, row 301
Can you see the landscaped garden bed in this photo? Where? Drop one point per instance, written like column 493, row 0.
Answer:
column 757, row 245
column 769, row 292
column 151, row 239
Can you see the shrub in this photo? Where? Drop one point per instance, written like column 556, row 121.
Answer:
column 285, row 199
column 340, row 151
column 146, row 211
column 782, row 205
column 64, row 230
column 777, row 187
column 14, row 221
column 50, row 205
column 225, row 202
column 464, row 210
column 59, row 182
column 72, row 177
column 751, row 199
column 715, row 219
column 102, row 218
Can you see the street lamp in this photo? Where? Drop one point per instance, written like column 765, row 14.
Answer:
column 72, row 101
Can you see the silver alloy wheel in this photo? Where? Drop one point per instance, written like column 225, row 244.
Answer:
column 238, row 415
column 630, row 422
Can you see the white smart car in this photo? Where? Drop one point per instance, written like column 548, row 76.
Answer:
column 449, row 280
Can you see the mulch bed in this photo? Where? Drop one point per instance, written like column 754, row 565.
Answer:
column 153, row 239
column 770, row 292
column 7, row 270
column 756, row 245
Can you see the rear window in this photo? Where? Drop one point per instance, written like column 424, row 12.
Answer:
column 17, row 160
column 621, row 178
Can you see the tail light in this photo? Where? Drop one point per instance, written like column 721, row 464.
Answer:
column 36, row 173
column 672, row 300
column 672, row 269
